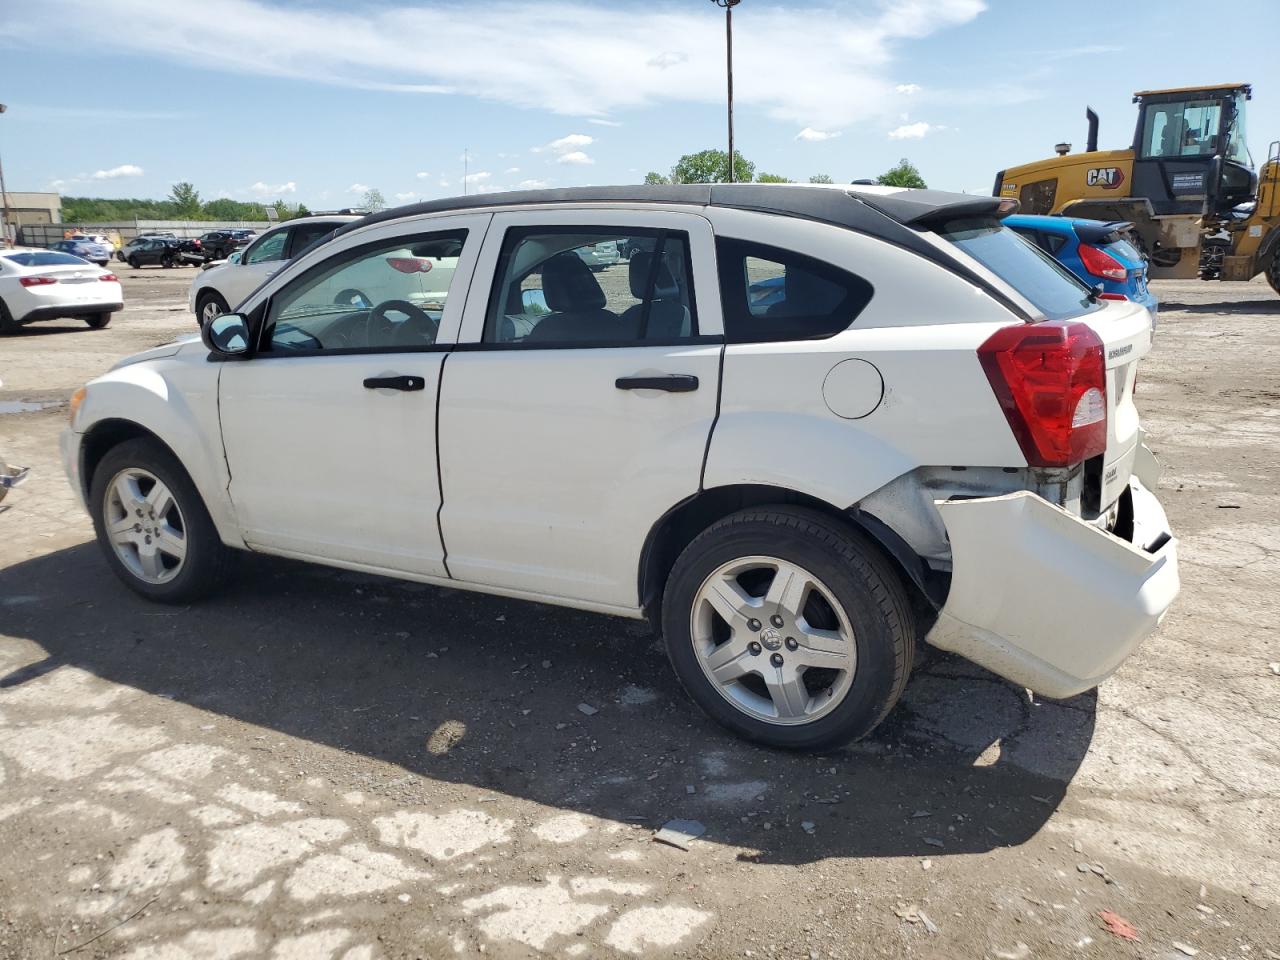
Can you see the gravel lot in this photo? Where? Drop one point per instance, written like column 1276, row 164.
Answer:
column 327, row 765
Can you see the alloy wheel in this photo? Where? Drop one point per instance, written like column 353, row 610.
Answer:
column 773, row 640
column 145, row 525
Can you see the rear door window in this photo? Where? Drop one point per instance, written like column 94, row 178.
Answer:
column 304, row 235
column 771, row 294
column 1050, row 287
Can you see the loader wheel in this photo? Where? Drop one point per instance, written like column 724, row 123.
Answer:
column 1273, row 272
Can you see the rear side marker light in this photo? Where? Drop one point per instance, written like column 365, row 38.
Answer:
column 1102, row 264
column 37, row 281
column 1050, row 381
column 109, row 278
column 1112, row 296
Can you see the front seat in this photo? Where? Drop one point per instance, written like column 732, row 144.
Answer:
column 573, row 293
column 668, row 317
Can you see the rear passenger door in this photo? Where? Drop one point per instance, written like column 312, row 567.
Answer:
column 577, row 406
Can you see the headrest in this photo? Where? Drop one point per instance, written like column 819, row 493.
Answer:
column 664, row 288
column 568, row 285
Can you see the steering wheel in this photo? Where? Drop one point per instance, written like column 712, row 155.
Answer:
column 420, row 327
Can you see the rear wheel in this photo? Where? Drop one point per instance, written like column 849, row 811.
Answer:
column 98, row 320
column 1273, row 272
column 133, row 262
column 210, row 305
column 152, row 525
column 788, row 628
column 7, row 323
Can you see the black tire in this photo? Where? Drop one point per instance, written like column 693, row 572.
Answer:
column 98, row 320
column 167, row 263
column 133, row 262
column 208, row 561
column 7, row 323
column 207, row 299
column 855, row 572
column 1273, row 272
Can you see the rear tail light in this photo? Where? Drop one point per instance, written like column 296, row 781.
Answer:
column 37, row 281
column 1102, row 264
column 1112, row 296
column 1050, row 379
column 109, row 278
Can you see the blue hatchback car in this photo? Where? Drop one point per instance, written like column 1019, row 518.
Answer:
column 1095, row 251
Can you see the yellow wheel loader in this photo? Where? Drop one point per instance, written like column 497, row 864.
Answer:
column 1186, row 183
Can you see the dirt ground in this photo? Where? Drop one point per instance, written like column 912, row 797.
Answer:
column 328, row 766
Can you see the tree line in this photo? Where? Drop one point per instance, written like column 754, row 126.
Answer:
column 183, row 203
column 712, row 166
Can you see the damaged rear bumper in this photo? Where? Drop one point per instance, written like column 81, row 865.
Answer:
column 1046, row 600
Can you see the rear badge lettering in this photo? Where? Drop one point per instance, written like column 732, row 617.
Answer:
column 1120, row 351
column 1108, row 178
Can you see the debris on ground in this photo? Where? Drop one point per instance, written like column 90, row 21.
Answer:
column 1275, row 668
column 680, row 833
column 1118, row 926
column 1020, row 952
column 588, row 709
column 933, row 841
column 808, row 826
column 1185, row 948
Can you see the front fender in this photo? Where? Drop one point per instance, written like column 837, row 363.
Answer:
column 176, row 400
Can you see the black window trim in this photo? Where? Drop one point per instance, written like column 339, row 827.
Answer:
column 730, row 295
column 263, row 311
column 515, row 232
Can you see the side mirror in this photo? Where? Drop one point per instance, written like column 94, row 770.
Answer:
column 234, row 258
column 227, row 335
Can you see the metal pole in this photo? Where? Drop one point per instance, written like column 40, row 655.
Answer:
column 728, row 40
column 4, row 199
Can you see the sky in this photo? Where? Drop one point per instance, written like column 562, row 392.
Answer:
column 317, row 101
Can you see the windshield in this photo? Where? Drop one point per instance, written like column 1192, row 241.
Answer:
column 1237, row 142
column 46, row 259
column 1049, row 286
column 1182, row 128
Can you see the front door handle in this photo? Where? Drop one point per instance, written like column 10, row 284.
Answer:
column 395, row 383
column 673, row 383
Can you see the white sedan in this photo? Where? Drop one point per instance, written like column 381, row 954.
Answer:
column 48, row 285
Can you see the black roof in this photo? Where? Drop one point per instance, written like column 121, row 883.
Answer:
column 846, row 208
column 898, row 217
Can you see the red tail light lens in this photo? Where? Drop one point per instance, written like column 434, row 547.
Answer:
column 109, row 278
column 1102, row 264
column 1051, row 381
column 1112, row 296
column 37, row 281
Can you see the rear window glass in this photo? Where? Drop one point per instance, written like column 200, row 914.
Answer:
column 1124, row 250
column 45, row 258
column 1050, row 287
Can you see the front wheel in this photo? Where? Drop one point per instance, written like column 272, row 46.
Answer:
column 98, row 320
column 152, row 525
column 209, row 306
column 134, row 262
column 788, row 628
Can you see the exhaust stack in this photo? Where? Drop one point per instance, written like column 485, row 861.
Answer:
column 1092, row 143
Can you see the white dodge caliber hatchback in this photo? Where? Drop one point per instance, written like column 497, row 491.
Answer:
column 801, row 429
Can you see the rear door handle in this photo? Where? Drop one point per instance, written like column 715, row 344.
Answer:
column 674, row 383
column 395, row 383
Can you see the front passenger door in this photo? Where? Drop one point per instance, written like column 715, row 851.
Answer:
column 258, row 263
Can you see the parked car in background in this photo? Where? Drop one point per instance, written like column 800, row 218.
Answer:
column 123, row 256
column 50, row 285
column 597, row 256
column 152, row 251
column 1096, row 251
column 933, row 420
column 91, row 250
column 219, row 244
column 215, row 290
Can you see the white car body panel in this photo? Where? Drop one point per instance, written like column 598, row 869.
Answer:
column 1046, row 600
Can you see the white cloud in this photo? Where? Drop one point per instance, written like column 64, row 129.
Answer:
column 1086, row 51
column 533, row 185
column 908, row 88
column 57, row 185
column 407, row 196
column 571, row 57
column 261, row 189
column 423, row 175
column 601, row 122
column 567, row 144
column 478, row 177
column 577, row 157
column 512, row 170
column 668, row 58
column 124, row 170
column 913, row 131
column 358, row 188
column 810, row 135
column 444, row 183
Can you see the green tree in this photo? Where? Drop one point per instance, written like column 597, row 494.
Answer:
column 373, row 200
column 904, row 174
column 653, row 178
column 820, row 178
column 185, row 199
column 712, row 166
column 771, row 178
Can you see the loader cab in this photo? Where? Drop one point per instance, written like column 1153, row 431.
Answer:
column 1189, row 149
